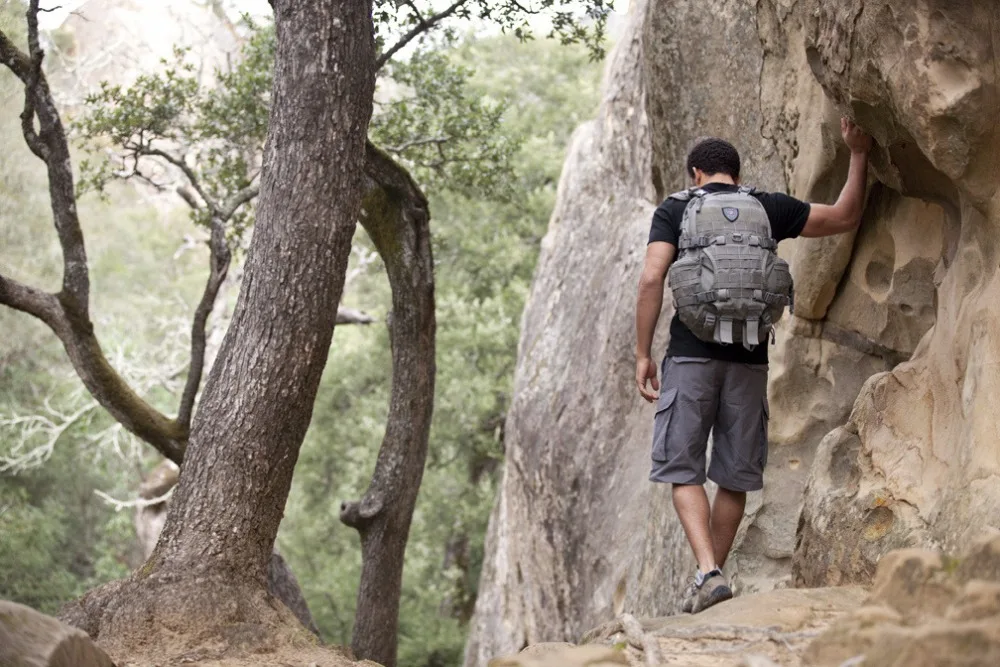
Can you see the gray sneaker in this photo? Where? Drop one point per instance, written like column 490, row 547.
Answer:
column 690, row 594
column 713, row 590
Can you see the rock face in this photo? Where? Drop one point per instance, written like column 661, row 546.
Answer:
column 762, row 629
column 881, row 431
column 571, row 479
column 563, row 655
column 924, row 609
column 32, row 639
column 913, row 465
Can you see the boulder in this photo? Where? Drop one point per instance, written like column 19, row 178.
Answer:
column 925, row 609
column 31, row 639
column 563, row 655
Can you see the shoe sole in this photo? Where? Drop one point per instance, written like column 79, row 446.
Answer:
column 720, row 594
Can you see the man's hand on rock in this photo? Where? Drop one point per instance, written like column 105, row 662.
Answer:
column 856, row 139
column 645, row 371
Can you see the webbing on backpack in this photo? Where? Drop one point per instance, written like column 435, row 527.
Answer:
column 728, row 283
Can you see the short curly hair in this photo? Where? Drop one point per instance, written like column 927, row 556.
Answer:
column 714, row 156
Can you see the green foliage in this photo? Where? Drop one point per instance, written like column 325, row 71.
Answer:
column 57, row 539
column 32, row 539
column 214, row 135
column 167, row 122
column 449, row 137
column 570, row 21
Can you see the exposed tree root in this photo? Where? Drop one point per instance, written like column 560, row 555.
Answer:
column 167, row 616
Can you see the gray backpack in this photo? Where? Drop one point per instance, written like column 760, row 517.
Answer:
column 728, row 283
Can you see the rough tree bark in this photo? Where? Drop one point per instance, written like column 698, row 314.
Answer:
column 213, row 549
column 67, row 312
column 208, row 572
column 396, row 217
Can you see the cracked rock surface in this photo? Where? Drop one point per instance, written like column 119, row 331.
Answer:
column 883, row 434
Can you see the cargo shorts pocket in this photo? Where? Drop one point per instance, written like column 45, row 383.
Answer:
column 661, row 422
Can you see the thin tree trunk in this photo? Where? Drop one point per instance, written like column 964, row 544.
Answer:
column 396, row 218
column 208, row 572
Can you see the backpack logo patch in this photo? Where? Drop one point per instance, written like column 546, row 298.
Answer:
column 731, row 213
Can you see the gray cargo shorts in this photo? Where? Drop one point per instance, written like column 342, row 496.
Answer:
column 699, row 395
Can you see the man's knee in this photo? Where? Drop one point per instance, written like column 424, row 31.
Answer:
column 731, row 493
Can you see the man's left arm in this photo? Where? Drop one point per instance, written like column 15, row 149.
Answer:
column 659, row 255
column 845, row 215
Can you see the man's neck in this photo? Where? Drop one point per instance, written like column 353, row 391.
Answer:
column 721, row 179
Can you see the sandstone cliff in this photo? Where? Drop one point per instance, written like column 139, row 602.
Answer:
column 882, row 434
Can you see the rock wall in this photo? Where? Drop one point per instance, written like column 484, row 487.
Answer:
column 882, row 434
column 918, row 461
column 570, row 501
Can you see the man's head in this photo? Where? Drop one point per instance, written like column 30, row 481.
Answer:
column 712, row 159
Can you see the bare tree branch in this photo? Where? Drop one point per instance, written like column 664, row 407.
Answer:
column 137, row 503
column 219, row 259
column 34, row 46
column 413, row 143
column 416, row 31
column 28, row 130
column 189, row 198
column 416, row 12
column 237, row 200
column 180, row 163
column 352, row 316
column 68, row 312
column 51, row 426
column 29, row 300
column 14, row 59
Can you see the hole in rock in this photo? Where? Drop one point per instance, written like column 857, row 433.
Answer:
column 878, row 523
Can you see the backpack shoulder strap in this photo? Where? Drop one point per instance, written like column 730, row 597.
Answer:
column 747, row 190
column 688, row 195
column 694, row 197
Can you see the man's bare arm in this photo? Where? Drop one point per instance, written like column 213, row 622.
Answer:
column 659, row 255
column 845, row 215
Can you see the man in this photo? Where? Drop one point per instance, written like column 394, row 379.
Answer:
column 709, row 384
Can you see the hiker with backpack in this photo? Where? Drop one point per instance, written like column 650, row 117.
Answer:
column 729, row 289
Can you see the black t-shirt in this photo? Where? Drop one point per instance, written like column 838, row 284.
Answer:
column 787, row 216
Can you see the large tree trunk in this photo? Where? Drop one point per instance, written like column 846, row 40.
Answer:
column 209, row 570
column 396, row 218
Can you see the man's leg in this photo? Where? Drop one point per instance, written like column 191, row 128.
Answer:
column 691, row 504
column 739, row 450
column 688, row 406
column 727, row 512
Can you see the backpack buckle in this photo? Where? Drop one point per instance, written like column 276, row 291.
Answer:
column 738, row 237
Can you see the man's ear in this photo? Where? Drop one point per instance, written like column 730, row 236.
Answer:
column 698, row 176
